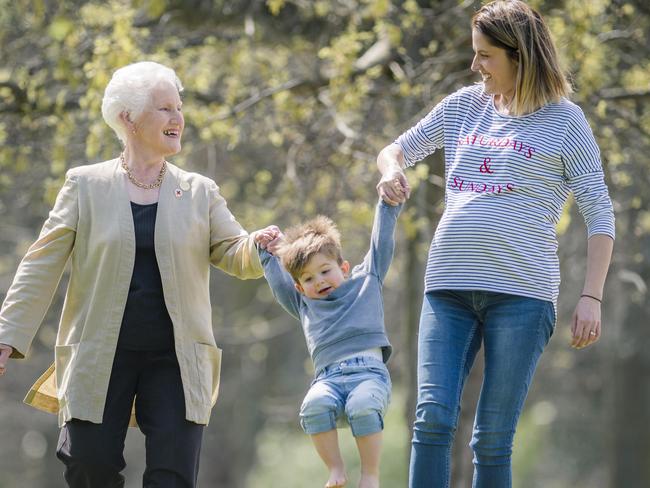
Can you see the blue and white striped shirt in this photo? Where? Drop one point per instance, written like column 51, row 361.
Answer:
column 507, row 179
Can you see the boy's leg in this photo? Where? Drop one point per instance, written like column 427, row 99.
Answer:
column 365, row 408
column 369, row 452
column 318, row 413
column 327, row 446
column 368, row 400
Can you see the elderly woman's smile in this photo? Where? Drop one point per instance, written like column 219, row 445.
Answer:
column 160, row 127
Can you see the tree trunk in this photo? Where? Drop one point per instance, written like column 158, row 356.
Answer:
column 630, row 369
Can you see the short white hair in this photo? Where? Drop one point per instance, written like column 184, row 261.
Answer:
column 130, row 91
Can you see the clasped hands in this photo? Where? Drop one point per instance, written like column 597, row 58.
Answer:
column 394, row 188
column 268, row 238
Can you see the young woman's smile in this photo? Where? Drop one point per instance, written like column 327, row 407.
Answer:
column 498, row 70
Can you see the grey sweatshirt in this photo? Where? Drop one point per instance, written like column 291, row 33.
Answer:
column 351, row 318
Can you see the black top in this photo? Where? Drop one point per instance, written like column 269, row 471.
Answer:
column 146, row 325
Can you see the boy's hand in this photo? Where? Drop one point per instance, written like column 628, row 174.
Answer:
column 394, row 188
column 272, row 246
column 264, row 237
column 5, row 352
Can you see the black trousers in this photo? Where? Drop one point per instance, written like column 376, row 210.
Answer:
column 93, row 453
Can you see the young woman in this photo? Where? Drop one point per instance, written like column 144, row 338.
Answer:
column 515, row 147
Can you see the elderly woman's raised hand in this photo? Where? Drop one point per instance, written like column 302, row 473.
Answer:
column 5, row 352
column 268, row 238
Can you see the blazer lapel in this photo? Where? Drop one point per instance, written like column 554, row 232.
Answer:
column 122, row 202
column 125, row 214
column 165, row 214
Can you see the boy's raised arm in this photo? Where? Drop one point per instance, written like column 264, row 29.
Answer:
column 382, row 240
column 281, row 283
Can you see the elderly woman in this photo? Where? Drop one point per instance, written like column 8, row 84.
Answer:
column 515, row 147
column 135, row 331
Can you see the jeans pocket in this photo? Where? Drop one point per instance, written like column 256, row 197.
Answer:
column 382, row 373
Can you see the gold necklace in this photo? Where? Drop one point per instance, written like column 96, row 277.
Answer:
column 133, row 179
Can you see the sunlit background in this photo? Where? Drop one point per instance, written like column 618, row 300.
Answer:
column 287, row 104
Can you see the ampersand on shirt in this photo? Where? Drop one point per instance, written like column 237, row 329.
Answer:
column 485, row 167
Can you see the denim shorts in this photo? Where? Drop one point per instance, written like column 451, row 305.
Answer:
column 358, row 387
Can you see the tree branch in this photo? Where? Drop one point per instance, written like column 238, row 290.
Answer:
column 267, row 92
column 622, row 94
column 379, row 53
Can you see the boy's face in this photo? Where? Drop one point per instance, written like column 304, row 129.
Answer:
column 321, row 276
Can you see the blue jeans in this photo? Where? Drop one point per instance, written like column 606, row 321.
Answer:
column 514, row 331
column 357, row 387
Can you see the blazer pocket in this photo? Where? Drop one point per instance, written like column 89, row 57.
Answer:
column 64, row 358
column 208, row 363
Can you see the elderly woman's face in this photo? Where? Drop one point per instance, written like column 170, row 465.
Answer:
column 160, row 126
column 499, row 71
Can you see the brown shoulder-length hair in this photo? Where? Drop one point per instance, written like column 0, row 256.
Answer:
column 520, row 30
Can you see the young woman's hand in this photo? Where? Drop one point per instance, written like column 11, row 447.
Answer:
column 585, row 324
column 394, row 188
column 5, row 352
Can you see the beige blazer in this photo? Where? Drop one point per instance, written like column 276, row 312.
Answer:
column 92, row 225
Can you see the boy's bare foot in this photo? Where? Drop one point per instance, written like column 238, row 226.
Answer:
column 369, row 481
column 337, row 478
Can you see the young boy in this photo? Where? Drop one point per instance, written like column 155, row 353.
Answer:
column 342, row 317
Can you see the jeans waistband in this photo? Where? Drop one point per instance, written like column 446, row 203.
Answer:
column 351, row 362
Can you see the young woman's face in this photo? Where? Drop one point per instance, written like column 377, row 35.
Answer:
column 498, row 70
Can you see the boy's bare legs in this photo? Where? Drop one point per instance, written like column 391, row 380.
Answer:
column 369, row 452
column 327, row 446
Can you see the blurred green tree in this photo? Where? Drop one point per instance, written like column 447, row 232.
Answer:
column 287, row 104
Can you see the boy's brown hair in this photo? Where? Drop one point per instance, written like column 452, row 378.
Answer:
column 301, row 242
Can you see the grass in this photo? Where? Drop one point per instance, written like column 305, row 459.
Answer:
column 287, row 458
